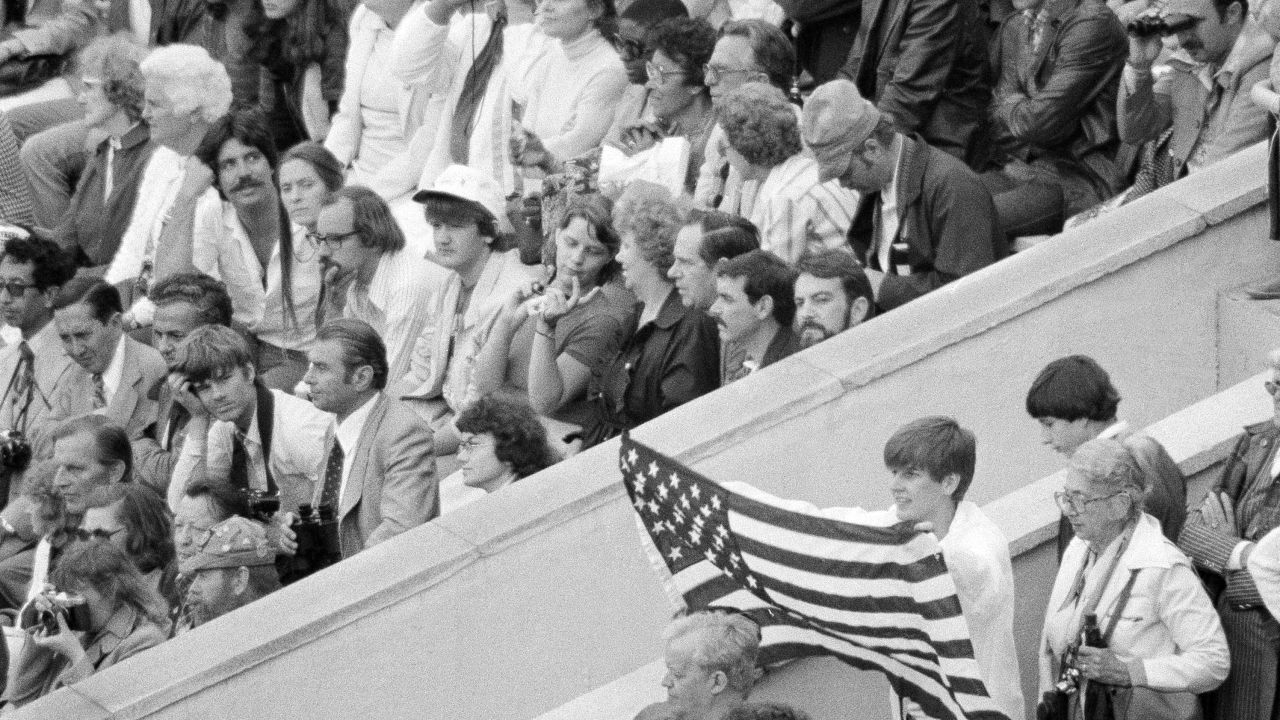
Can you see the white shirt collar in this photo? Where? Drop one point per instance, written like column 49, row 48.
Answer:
column 348, row 431
column 115, row 370
column 1115, row 431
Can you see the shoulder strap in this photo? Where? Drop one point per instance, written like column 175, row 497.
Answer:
column 266, row 418
column 1119, row 608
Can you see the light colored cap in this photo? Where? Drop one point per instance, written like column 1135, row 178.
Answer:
column 837, row 120
column 234, row 542
column 465, row 183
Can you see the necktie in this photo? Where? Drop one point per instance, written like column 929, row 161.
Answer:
column 239, row 461
column 474, row 87
column 99, row 392
column 332, row 476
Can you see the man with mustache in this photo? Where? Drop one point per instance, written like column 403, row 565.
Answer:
column 753, row 310
column 832, row 295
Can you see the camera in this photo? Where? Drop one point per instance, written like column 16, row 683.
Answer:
column 1145, row 26
column 319, row 543
column 15, row 451
column 70, row 605
column 263, row 505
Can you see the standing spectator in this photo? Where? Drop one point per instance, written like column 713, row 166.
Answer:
column 463, row 210
column 747, row 51
column 107, row 192
column 754, row 307
column 700, row 244
column 784, row 196
column 924, row 218
column 1219, row 537
column 832, row 295
column 369, row 273
column 824, row 32
column 924, row 64
column 234, row 566
column 126, row 616
column 1074, row 401
column 379, row 473
column 634, row 43
column 546, row 348
column 502, row 441
column 1207, row 123
column 15, row 186
column 378, row 116
column 246, row 224
column 1057, row 64
column 711, row 664
column 673, row 355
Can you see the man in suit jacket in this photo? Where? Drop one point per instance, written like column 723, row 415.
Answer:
column 115, row 375
column 1220, row 536
column 924, row 219
column 379, row 468
column 924, row 64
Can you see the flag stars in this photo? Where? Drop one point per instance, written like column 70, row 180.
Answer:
column 674, row 483
column 675, row 553
column 695, row 492
column 653, row 470
column 715, row 502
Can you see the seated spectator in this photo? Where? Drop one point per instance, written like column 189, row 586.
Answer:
column 700, row 244
column 545, row 347
column 301, row 46
column 501, row 441
column 32, row 272
column 1204, row 125
column 377, row 115
column 633, row 41
column 275, row 300
column 924, row 219
column 201, row 506
column 1219, row 537
column 133, row 517
column 678, row 103
column 183, row 303
column 795, row 209
column 1160, row 621
column 720, row 12
column 368, row 269
column 711, row 664
column 308, row 176
column 187, row 91
column 126, row 617
column 832, row 295
column 568, row 93
column 234, row 566
column 35, row 518
column 56, row 27
column 114, row 375
column 103, row 202
column 260, row 439
column 753, row 310
column 379, row 474
column 924, row 64
column 746, row 51
column 15, row 187
column 1074, row 401
column 673, row 356
column 1053, row 121
column 463, row 209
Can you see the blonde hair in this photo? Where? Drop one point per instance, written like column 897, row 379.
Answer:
column 192, row 80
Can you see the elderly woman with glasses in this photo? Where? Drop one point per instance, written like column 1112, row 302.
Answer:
column 1128, row 622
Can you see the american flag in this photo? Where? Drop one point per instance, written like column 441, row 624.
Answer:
column 877, row 598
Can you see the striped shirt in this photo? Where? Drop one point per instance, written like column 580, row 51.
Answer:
column 795, row 212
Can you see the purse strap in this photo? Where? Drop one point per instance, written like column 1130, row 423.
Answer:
column 1119, row 607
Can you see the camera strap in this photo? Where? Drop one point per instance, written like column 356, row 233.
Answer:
column 1077, row 587
column 266, row 420
column 22, row 382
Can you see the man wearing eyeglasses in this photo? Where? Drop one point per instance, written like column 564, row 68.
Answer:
column 240, row 236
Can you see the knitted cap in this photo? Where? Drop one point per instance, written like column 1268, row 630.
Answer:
column 234, row 542
column 837, row 120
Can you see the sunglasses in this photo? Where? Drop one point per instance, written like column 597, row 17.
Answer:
column 95, row 534
column 16, row 288
column 659, row 74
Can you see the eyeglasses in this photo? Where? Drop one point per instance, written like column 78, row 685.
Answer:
column 629, row 48
column 712, row 74
column 96, row 534
column 659, row 74
column 471, row 443
column 306, row 249
column 1074, row 503
column 16, row 288
column 331, row 242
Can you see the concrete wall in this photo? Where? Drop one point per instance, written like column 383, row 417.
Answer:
column 537, row 595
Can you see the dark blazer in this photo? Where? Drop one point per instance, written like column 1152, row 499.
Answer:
column 392, row 486
column 925, row 63
column 826, row 31
column 92, row 228
column 947, row 225
column 1057, row 107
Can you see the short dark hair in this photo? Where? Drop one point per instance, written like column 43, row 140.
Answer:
column 110, row 440
column 650, row 12
column 1071, row 388
column 102, row 298
column 726, row 242
column 142, row 512
column 457, row 212
column 371, row 218
column 688, row 41
column 328, row 168
column 519, row 437
column 596, row 211
column 938, row 446
column 250, row 127
column 52, row 266
column 764, row 274
column 1222, row 6
column 209, row 296
column 361, row 345
column 829, row 263
column 226, row 499
column 765, row 711
column 211, row 351
column 774, row 53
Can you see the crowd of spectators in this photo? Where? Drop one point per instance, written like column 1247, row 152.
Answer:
column 282, row 279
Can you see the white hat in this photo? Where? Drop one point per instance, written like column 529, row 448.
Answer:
column 465, row 183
